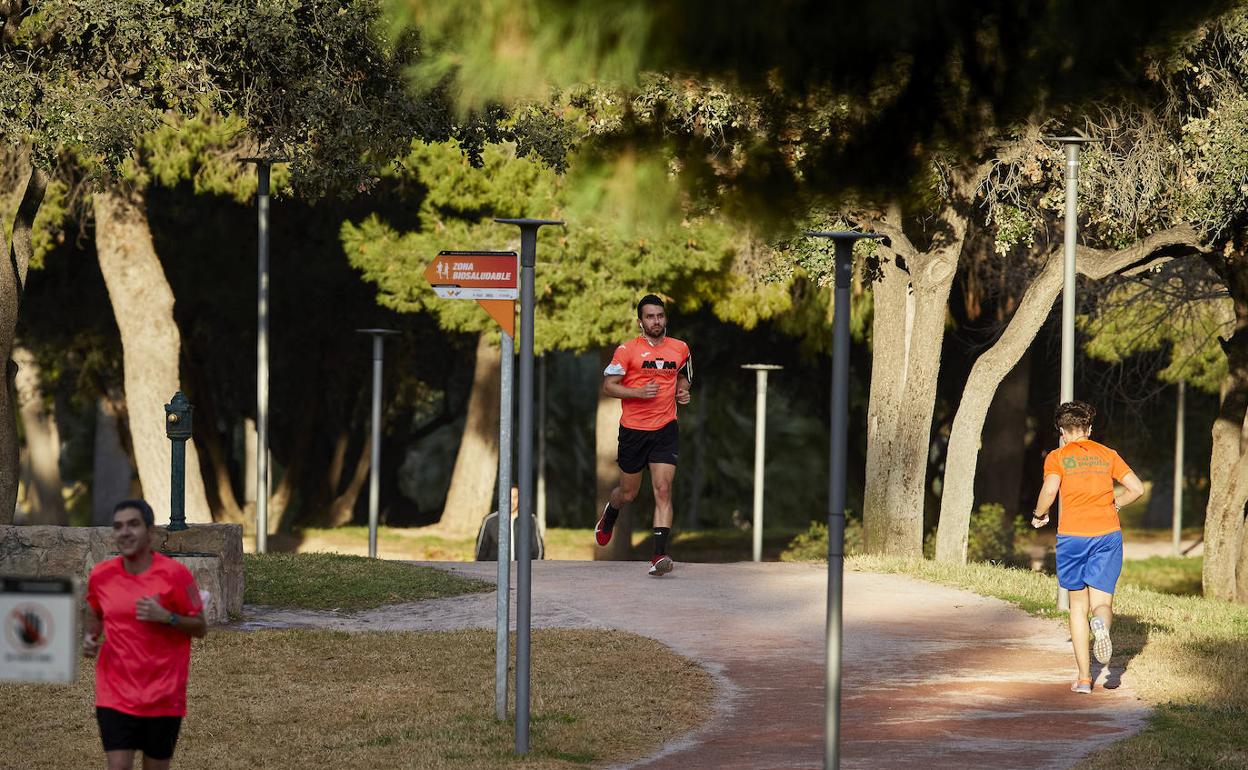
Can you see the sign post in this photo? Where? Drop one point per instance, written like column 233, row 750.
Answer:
column 492, row 279
column 39, row 639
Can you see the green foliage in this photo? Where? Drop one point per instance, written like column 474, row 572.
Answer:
column 812, row 545
column 1137, row 318
column 993, row 537
column 589, row 275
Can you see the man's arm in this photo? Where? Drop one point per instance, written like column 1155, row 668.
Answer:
column 1048, row 494
column 611, row 386
column 682, row 389
column 149, row 609
column 91, row 637
column 1134, row 488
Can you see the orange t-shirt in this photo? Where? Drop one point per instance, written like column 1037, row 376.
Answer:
column 640, row 361
column 1088, row 471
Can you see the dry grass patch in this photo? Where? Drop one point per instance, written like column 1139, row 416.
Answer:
column 300, row 699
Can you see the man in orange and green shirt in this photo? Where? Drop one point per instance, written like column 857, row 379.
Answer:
column 1089, row 535
column 650, row 374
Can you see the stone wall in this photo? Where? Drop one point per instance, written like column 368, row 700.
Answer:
column 212, row 552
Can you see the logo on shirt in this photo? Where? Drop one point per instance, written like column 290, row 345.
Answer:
column 28, row 627
column 659, row 364
column 1069, row 463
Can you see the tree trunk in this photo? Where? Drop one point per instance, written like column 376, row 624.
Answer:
column 909, row 325
column 607, row 475
column 112, row 475
column 342, row 509
column 43, row 444
column 958, row 490
column 219, row 485
column 472, row 491
column 1225, row 574
column 1004, row 431
column 12, row 285
column 151, row 346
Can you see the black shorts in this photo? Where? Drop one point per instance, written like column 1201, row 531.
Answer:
column 154, row 736
column 639, row 448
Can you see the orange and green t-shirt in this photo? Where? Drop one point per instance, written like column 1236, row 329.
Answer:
column 1088, row 471
column 640, row 361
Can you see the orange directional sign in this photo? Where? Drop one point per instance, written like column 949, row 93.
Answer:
column 474, row 275
column 492, row 278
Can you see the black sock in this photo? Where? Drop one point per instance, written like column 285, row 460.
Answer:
column 660, row 540
column 609, row 516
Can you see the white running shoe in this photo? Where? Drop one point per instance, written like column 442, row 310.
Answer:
column 1102, row 645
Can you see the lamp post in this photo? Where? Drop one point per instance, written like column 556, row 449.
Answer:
column 178, row 429
column 524, row 535
column 760, row 448
column 1071, row 145
column 374, row 469
column 839, row 428
column 263, row 167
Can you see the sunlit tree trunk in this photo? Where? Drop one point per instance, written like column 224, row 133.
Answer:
column 472, row 492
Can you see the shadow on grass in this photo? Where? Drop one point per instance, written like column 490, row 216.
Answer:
column 1130, row 636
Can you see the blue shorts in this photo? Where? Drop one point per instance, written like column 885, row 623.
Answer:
column 1089, row 561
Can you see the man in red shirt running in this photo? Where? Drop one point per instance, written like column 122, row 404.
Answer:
column 148, row 607
column 650, row 375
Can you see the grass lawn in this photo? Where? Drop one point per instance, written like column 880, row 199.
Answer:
column 330, row 580
column 704, row 545
column 1164, row 574
column 311, row 699
column 1185, row 656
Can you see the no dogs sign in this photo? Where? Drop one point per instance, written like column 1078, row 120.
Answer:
column 38, row 630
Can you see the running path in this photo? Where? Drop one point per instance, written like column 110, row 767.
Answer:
column 933, row 677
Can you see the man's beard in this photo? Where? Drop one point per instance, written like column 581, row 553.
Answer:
column 657, row 334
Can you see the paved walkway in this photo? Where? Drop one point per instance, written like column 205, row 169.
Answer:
column 934, row 677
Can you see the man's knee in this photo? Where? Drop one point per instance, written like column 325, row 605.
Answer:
column 627, row 494
column 663, row 492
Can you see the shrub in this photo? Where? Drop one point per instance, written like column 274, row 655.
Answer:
column 812, row 545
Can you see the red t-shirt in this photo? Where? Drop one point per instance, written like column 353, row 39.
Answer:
column 640, row 361
column 142, row 666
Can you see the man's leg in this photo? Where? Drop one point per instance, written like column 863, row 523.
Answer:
column 623, row 493
column 1102, row 605
column 661, row 475
column 156, row 764
column 1079, row 631
column 122, row 759
column 1102, row 618
column 626, row 491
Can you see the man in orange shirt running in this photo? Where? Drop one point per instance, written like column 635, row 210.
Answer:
column 148, row 607
column 650, row 375
column 1089, row 536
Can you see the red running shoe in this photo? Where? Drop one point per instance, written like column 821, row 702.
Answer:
column 661, row 565
column 602, row 536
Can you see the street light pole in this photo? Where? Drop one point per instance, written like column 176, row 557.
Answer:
column 1071, row 145
column 839, row 428
column 263, row 166
column 374, row 470
column 760, row 448
column 524, row 534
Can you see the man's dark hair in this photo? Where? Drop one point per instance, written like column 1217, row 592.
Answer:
column 145, row 510
column 1074, row 415
column 649, row 299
